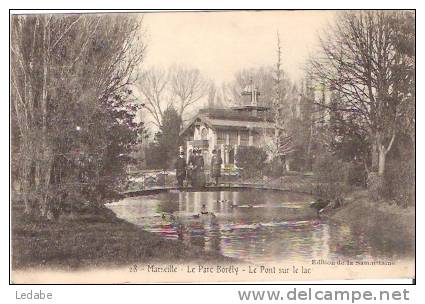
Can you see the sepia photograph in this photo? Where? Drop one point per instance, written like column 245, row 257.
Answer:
column 212, row 146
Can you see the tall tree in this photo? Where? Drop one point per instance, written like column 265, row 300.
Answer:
column 179, row 87
column 281, row 108
column 217, row 96
column 303, row 126
column 153, row 85
column 61, row 104
column 163, row 151
column 212, row 94
column 263, row 79
column 367, row 58
column 188, row 86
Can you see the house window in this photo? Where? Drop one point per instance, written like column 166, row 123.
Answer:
column 204, row 134
column 244, row 138
column 221, row 137
column 256, row 139
column 231, row 156
column 233, row 138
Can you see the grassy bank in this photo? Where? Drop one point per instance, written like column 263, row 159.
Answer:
column 389, row 227
column 93, row 240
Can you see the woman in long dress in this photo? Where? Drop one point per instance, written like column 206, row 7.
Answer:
column 198, row 170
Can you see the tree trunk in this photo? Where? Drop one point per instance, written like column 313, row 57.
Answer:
column 283, row 162
column 47, row 167
column 382, row 150
column 24, row 176
column 25, row 188
column 375, row 157
column 379, row 153
column 309, row 146
column 382, row 157
column 45, row 164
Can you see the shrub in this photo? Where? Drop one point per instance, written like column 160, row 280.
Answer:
column 154, row 158
column 329, row 169
column 274, row 168
column 252, row 160
column 299, row 162
column 399, row 182
column 331, row 176
column 356, row 174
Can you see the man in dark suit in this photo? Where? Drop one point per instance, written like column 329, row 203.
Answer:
column 180, row 169
column 216, row 162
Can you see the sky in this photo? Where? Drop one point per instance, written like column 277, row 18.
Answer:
column 221, row 43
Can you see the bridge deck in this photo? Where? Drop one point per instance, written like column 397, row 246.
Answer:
column 220, row 187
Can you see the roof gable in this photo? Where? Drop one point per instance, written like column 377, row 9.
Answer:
column 228, row 118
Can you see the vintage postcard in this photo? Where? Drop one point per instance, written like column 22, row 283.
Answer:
column 212, row 146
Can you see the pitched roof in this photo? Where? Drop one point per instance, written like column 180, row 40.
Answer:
column 228, row 118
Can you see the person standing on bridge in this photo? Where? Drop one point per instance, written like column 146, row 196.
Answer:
column 190, row 166
column 180, row 169
column 199, row 175
column 216, row 162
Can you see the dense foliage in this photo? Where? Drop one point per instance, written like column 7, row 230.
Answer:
column 163, row 151
column 252, row 160
column 367, row 63
column 73, row 115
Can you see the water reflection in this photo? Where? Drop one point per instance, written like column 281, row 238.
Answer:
column 251, row 225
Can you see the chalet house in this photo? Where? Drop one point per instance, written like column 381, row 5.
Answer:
column 226, row 130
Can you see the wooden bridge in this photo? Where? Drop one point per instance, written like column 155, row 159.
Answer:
column 211, row 187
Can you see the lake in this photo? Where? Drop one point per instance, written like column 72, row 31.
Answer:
column 251, row 225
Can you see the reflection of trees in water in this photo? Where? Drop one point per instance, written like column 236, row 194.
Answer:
column 241, row 244
column 196, row 234
column 213, row 236
column 320, row 242
column 267, row 243
column 223, row 201
column 182, row 200
column 274, row 244
column 374, row 239
column 204, row 232
column 167, row 207
column 285, row 241
column 342, row 242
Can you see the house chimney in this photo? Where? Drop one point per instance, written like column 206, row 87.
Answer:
column 253, row 100
column 254, row 96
